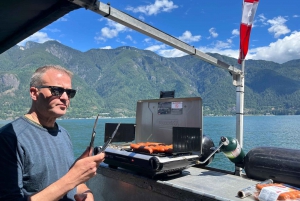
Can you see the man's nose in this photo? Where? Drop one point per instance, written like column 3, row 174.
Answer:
column 64, row 96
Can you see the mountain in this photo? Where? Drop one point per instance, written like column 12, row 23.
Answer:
column 110, row 82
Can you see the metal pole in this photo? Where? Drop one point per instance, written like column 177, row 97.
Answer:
column 240, row 110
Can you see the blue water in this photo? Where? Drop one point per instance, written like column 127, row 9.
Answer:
column 279, row 131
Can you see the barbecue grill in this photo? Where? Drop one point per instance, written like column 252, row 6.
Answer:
column 176, row 121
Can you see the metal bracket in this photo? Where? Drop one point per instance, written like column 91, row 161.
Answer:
column 237, row 80
column 108, row 11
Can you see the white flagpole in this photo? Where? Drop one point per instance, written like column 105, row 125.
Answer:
column 240, row 105
column 249, row 10
column 240, row 111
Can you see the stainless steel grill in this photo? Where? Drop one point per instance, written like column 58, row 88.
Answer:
column 176, row 121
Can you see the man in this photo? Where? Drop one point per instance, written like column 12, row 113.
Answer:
column 36, row 154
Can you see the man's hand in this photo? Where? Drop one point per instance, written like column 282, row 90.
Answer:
column 84, row 168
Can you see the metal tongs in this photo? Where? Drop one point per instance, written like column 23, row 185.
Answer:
column 109, row 140
column 93, row 135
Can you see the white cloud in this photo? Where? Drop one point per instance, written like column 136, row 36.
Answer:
column 278, row 27
column 235, row 32
column 128, row 37
column 296, row 16
column 120, row 41
column 147, row 40
column 153, row 9
column 188, row 37
column 165, row 51
column 282, row 50
column 111, row 31
column 155, row 48
column 213, row 33
column 39, row 37
column 221, row 45
column 262, row 19
column 106, row 47
column 142, row 18
column 171, row 53
column 226, row 52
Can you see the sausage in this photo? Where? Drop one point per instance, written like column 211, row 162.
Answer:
column 153, row 144
column 151, row 147
column 169, row 149
column 159, row 149
column 145, row 149
column 136, row 146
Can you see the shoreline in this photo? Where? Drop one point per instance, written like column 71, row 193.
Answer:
column 59, row 119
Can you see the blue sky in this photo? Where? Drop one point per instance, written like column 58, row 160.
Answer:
column 210, row 26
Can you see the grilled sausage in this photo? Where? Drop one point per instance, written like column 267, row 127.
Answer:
column 152, row 147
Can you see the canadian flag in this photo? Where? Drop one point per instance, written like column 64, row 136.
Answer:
column 249, row 9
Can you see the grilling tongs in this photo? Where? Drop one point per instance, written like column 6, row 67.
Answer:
column 109, row 140
column 93, row 135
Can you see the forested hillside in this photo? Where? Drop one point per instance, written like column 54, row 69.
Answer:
column 110, row 82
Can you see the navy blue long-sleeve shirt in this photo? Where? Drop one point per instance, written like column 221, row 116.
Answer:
column 31, row 158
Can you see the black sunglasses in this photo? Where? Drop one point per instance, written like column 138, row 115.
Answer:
column 58, row 91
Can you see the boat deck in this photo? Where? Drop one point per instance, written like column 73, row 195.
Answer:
column 193, row 184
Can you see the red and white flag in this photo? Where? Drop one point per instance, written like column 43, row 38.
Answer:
column 249, row 9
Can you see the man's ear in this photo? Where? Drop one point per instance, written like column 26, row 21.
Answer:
column 34, row 93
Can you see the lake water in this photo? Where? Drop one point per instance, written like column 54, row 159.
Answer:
column 279, row 131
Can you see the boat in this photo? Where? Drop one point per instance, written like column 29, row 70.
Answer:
column 184, row 177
